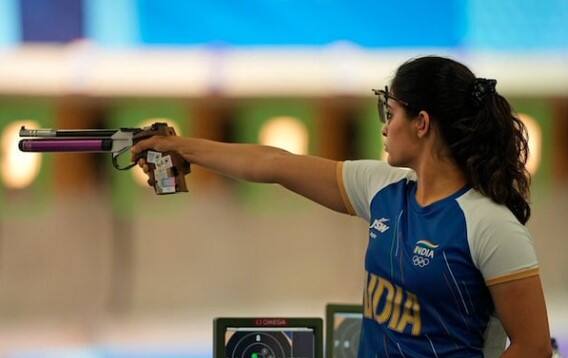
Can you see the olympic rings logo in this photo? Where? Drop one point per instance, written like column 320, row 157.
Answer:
column 420, row 261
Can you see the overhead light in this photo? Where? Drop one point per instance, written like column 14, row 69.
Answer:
column 137, row 173
column 535, row 142
column 285, row 132
column 19, row 169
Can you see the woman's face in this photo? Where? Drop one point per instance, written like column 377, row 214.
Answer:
column 401, row 142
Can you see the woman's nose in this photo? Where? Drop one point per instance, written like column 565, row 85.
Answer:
column 384, row 130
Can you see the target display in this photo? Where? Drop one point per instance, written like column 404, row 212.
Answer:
column 347, row 329
column 269, row 344
column 343, row 330
column 268, row 338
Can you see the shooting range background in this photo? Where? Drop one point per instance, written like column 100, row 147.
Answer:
column 94, row 264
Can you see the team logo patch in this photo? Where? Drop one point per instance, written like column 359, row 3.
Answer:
column 423, row 253
column 380, row 225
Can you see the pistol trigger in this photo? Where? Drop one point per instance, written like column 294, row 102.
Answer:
column 137, row 157
column 115, row 160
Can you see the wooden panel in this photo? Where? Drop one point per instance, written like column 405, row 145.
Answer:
column 560, row 141
column 214, row 120
column 76, row 172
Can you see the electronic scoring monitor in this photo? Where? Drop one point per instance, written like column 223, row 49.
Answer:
column 268, row 338
column 343, row 330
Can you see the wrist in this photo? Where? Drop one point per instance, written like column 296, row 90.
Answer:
column 186, row 148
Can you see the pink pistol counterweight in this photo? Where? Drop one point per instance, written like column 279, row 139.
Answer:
column 167, row 170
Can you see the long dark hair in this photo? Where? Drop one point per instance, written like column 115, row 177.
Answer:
column 477, row 125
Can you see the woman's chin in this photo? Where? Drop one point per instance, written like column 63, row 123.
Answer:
column 393, row 162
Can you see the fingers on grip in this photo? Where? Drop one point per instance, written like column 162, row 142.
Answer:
column 164, row 173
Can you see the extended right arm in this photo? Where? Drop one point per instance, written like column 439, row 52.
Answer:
column 312, row 177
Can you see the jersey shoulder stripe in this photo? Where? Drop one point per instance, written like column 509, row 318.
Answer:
column 342, row 192
column 533, row 271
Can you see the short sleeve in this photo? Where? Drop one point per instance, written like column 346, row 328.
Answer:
column 360, row 180
column 501, row 247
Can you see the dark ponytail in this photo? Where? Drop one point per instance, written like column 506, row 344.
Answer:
column 477, row 125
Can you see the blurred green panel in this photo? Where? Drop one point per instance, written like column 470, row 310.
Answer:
column 127, row 195
column 541, row 110
column 251, row 116
column 36, row 197
column 369, row 137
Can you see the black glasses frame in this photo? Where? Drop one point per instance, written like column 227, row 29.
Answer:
column 382, row 103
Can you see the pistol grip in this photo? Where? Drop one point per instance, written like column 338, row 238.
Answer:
column 167, row 171
column 179, row 170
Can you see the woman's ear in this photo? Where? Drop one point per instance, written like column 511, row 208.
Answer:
column 422, row 124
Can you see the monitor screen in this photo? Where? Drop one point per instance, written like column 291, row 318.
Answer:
column 343, row 330
column 268, row 338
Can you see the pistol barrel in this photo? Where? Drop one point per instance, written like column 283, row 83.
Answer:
column 69, row 133
column 37, row 132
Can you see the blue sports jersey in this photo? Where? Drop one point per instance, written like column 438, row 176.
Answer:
column 428, row 269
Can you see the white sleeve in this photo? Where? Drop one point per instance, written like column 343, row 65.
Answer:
column 501, row 247
column 360, row 180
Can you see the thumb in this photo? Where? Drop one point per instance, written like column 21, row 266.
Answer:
column 150, row 143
